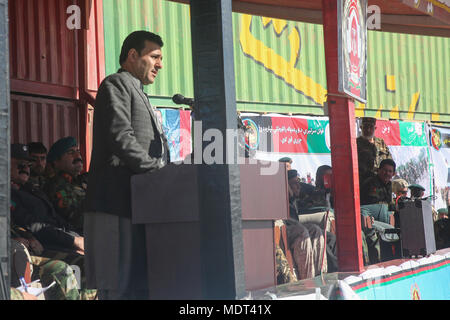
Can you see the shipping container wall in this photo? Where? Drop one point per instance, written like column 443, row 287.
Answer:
column 45, row 120
column 280, row 64
column 42, row 49
column 172, row 22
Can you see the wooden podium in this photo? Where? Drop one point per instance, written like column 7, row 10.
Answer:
column 167, row 202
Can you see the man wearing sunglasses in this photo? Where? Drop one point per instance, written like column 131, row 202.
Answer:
column 64, row 189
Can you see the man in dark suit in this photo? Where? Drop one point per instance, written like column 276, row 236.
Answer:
column 127, row 140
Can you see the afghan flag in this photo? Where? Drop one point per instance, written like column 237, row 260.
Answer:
column 402, row 133
column 177, row 127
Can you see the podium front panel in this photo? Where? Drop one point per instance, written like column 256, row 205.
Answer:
column 166, row 195
column 259, row 254
column 174, row 261
column 264, row 196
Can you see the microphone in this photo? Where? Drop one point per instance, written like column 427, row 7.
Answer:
column 180, row 99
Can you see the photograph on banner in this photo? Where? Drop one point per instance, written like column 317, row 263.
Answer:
column 440, row 155
column 413, row 165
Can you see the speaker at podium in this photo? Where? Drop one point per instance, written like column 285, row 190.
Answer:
column 168, row 203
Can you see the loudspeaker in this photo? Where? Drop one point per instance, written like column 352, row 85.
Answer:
column 416, row 227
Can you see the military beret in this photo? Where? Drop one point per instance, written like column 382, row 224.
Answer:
column 416, row 186
column 285, row 159
column 292, row 174
column 20, row 151
column 60, row 147
column 399, row 184
column 368, row 120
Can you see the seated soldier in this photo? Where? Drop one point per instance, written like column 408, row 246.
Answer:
column 65, row 189
column 378, row 189
column 34, row 218
column 442, row 233
column 288, row 162
column 25, row 264
column 319, row 198
column 32, row 211
column 306, row 241
column 38, row 152
column 418, row 192
column 399, row 188
column 376, row 201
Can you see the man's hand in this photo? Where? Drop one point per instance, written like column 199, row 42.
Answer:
column 78, row 242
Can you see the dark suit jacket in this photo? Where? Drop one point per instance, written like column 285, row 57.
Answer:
column 35, row 213
column 127, row 139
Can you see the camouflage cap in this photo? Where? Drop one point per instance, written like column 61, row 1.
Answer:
column 416, row 186
column 399, row 184
column 369, row 120
column 60, row 147
column 443, row 210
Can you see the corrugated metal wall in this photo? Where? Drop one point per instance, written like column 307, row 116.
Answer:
column 49, row 59
column 409, row 74
column 43, row 51
column 168, row 19
column 40, row 119
column 280, row 64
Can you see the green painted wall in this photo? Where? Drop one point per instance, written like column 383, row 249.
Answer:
column 280, row 65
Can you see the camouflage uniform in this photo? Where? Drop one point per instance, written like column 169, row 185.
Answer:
column 370, row 156
column 66, row 284
column 16, row 294
column 49, row 270
column 374, row 191
column 67, row 196
column 284, row 273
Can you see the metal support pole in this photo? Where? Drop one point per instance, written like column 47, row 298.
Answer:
column 219, row 184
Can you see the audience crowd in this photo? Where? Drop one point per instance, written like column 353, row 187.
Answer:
column 47, row 198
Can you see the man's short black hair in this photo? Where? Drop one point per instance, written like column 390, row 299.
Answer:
column 37, row 147
column 389, row 162
column 136, row 40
